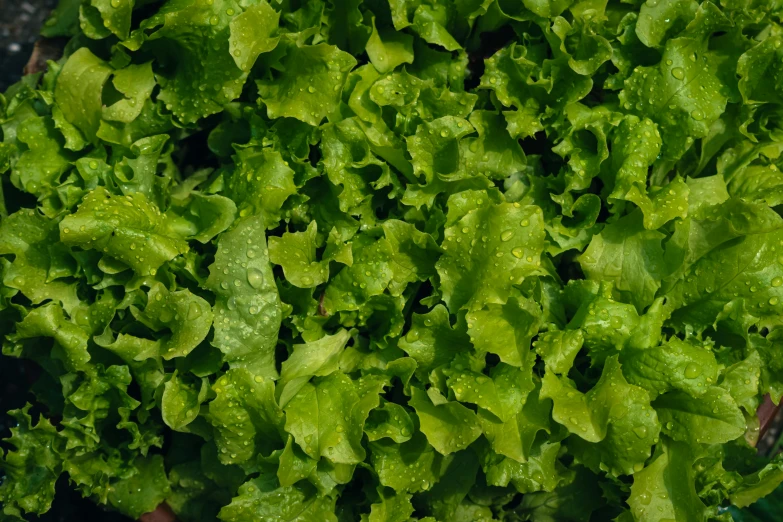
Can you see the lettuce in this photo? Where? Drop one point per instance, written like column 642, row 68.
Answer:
column 395, row 260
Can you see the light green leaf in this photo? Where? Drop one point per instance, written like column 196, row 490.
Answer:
column 287, row 504
column 116, row 15
column 295, row 252
column 758, row 485
column 136, row 83
column 487, row 251
column 675, row 365
column 506, row 330
column 414, row 254
column 538, row 473
column 326, row 417
column 247, row 305
column 665, row 488
column 262, row 183
column 130, row 229
column 558, row 348
column 494, row 153
column 514, row 439
column 251, row 34
column 432, row 341
column 307, row 83
column 245, row 415
column 387, row 48
column 503, row 393
column 70, row 340
column 660, row 20
column 720, row 258
column 78, row 90
column 393, row 507
column 711, row 418
column 683, row 94
column 318, row 358
column 628, row 255
column 615, row 415
column 181, row 402
column 41, row 166
column 411, row 466
column 31, row 237
column 742, row 382
column 193, row 39
column 295, row 465
column 187, row 316
column 448, row 426
column 389, row 420
column 202, row 217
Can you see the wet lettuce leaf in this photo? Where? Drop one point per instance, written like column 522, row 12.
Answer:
column 394, row 260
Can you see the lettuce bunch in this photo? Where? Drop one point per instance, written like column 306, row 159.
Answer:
column 391, row 260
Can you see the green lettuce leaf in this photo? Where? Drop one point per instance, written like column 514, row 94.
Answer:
column 78, row 90
column 307, row 82
column 245, row 416
column 487, row 251
column 247, row 308
column 664, row 488
column 31, row 468
column 448, row 426
column 130, row 229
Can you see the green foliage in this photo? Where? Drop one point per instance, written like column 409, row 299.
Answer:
column 396, row 260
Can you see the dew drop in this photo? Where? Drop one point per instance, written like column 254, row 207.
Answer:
column 692, row 370
column 255, row 278
column 194, row 311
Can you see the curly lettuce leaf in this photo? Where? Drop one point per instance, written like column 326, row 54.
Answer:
column 128, row 228
column 247, row 307
column 307, row 82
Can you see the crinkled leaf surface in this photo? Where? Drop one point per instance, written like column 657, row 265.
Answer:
column 386, row 261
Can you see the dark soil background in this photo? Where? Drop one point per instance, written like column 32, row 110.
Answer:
column 20, row 21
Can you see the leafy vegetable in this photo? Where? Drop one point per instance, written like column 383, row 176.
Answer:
column 396, row 260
